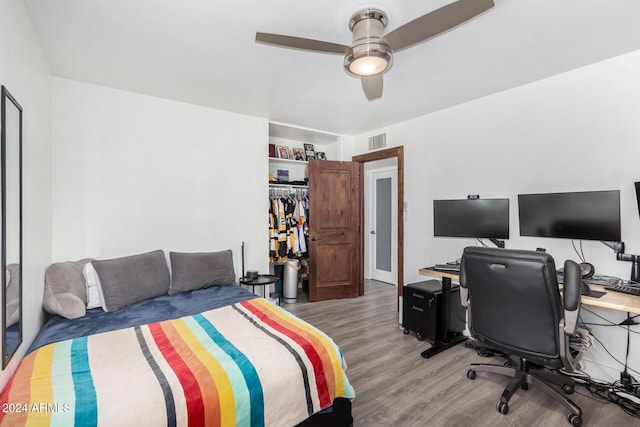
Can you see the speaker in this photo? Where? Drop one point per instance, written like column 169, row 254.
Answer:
column 586, row 270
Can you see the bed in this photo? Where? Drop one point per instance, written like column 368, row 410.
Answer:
column 213, row 356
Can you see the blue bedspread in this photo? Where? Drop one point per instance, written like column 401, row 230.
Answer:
column 148, row 311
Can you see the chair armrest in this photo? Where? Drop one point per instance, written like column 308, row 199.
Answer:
column 462, row 280
column 571, row 296
column 464, row 296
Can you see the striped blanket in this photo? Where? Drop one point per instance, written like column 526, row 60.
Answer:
column 247, row 364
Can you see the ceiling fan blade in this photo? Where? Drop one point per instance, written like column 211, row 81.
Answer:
column 372, row 86
column 300, row 43
column 436, row 22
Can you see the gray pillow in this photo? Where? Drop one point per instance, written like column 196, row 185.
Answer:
column 65, row 292
column 190, row 271
column 13, row 295
column 130, row 279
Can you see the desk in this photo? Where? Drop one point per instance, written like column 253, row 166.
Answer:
column 612, row 300
column 449, row 338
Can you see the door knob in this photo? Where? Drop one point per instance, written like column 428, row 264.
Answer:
column 373, row 232
column 313, row 238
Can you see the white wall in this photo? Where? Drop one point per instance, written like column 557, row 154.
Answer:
column 572, row 132
column 25, row 73
column 134, row 173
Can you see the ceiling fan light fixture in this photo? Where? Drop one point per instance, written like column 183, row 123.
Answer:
column 369, row 54
column 368, row 66
column 368, row 60
column 371, row 51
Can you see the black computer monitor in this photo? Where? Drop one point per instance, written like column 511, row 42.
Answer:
column 587, row 215
column 477, row 218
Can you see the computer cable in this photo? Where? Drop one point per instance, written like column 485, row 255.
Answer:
column 613, row 357
column 610, row 323
column 581, row 252
column 627, row 385
column 606, row 392
column 608, row 352
column 481, row 243
column 626, row 360
column 582, row 339
column 625, row 392
column 612, row 280
column 616, row 395
column 490, row 352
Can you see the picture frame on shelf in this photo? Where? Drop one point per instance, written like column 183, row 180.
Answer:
column 283, row 175
column 283, row 152
column 321, row 156
column 272, row 150
column 309, row 152
column 298, row 154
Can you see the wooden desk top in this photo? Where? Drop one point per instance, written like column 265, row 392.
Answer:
column 611, row 299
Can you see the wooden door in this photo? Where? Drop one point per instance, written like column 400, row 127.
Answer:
column 334, row 230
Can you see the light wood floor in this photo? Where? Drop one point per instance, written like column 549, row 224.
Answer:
column 395, row 386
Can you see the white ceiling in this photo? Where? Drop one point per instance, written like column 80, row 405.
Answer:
column 203, row 52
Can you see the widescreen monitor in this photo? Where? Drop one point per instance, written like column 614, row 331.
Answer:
column 587, row 215
column 477, row 218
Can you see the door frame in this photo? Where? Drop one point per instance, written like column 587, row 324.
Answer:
column 387, row 153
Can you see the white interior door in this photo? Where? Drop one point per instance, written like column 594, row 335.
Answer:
column 382, row 225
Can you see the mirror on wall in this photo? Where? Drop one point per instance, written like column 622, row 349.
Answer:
column 11, row 203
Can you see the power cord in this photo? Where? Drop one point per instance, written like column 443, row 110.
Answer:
column 614, row 358
column 580, row 252
column 602, row 391
column 629, row 321
column 490, row 352
column 481, row 242
column 606, row 392
column 484, row 351
column 626, row 392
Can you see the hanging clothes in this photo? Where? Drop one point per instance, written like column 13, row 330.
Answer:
column 287, row 227
column 301, row 226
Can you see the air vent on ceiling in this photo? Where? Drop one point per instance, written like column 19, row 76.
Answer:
column 378, row 141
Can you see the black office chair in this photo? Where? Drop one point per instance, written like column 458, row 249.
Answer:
column 515, row 307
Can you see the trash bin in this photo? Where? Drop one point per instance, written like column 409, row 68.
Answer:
column 290, row 282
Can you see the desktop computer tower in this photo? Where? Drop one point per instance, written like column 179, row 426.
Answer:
column 423, row 311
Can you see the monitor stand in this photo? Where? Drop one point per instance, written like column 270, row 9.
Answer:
column 635, row 265
column 498, row 243
column 584, row 288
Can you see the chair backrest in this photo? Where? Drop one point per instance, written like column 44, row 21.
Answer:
column 514, row 302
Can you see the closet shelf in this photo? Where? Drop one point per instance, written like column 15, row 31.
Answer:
column 284, row 185
column 294, row 161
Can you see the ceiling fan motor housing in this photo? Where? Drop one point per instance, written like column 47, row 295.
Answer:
column 369, row 53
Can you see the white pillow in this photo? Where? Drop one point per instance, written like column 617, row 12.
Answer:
column 95, row 298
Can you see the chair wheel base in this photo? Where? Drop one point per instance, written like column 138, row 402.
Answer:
column 502, row 407
column 471, row 374
column 568, row 388
column 574, row 419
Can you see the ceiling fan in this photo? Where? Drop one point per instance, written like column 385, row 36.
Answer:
column 371, row 54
